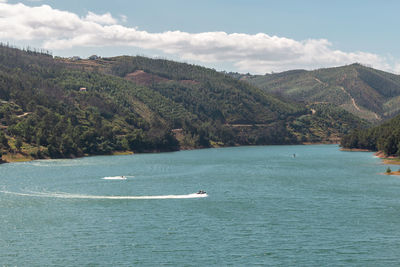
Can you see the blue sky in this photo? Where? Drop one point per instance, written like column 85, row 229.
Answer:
column 294, row 34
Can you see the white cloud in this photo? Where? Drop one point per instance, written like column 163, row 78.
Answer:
column 396, row 68
column 258, row 53
column 105, row 19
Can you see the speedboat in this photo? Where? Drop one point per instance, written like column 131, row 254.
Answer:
column 201, row 192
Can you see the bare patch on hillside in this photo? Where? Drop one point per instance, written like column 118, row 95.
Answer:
column 189, row 82
column 144, row 78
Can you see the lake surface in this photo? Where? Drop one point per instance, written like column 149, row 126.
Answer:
column 264, row 206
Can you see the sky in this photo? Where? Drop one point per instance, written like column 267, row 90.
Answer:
column 252, row 36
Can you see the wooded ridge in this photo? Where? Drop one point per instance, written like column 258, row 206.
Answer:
column 58, row 107
column 368, row 93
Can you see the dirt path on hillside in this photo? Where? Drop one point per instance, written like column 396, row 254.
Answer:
column 23, row 115
column 352, row 99
column 318, row 80
column 355, row 104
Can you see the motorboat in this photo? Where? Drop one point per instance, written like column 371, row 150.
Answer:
column 201, row 192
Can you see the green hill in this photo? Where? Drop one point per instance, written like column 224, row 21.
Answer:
column 365, row 92
column 58, row 107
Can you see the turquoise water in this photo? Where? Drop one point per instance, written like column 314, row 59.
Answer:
column 323, row 207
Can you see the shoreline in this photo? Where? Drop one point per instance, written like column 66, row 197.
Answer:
column 387, row 160
column 15, row 158
column 355, row 150
column 379, row 154
column 392, row 173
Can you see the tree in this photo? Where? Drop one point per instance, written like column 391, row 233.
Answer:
column 4, row 141
column 18, row 143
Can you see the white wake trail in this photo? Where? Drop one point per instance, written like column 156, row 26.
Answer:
column 78, row 196
column 114, row 178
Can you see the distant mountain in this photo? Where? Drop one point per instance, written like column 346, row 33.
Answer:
column 59, row 107
column 368, row 93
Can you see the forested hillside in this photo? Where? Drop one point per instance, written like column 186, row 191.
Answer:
column 385, row 137
column 58, row 107
column 365, row 92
